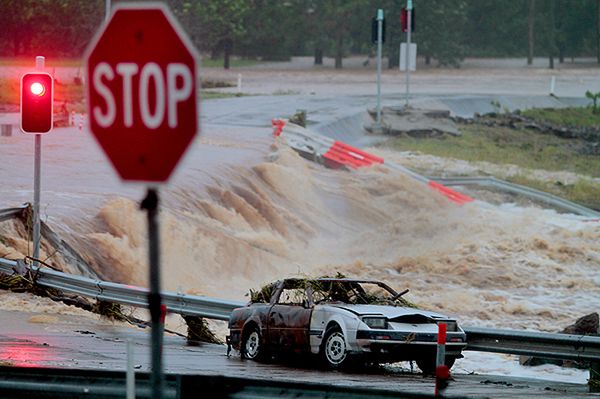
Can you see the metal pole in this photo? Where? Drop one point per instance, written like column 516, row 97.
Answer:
column 106, row 10
column 441, row 345
column 150, row 204
column 379, row 39
column 130, row 376
column 442, row 373
column 408, row 30
column 37, row 169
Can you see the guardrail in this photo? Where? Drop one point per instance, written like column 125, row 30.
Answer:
column 533, row 343
column 192, row 305
column 548, row 345
column 10, row 213
column 532, row 193
column 313, row 146
column 50, row 383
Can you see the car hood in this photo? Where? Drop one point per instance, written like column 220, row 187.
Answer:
column 391, row 312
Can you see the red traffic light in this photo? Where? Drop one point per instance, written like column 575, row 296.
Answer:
column 37, row 88
column 36, row 102
column 404, row 20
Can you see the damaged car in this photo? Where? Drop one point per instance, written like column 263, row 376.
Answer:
column 341, row 321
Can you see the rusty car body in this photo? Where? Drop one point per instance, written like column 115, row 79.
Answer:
column 340, row 320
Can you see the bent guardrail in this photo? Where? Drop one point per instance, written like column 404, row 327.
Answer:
column 549, row 345
column 192, row 305
column 10, row 213
column 528, row 192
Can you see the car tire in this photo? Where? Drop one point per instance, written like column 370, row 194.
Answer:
column 252, row 347
column 334, row 350
column 428, row 366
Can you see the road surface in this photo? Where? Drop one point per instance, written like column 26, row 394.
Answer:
column 69, row 341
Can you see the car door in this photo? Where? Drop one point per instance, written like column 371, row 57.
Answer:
column 289, row 321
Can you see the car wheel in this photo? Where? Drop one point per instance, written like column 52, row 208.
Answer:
column 427, row 366
column 252, row 347
column 334, row 350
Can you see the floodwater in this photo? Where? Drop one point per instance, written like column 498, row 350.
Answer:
column 244, row 209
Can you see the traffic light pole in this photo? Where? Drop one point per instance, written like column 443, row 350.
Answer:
column 106, row 10
column 37, row 168
column 379, row 39
column 150, row 204
column 408, row 31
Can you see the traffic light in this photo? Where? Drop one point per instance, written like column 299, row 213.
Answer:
column 374, row 31
column 404, row 18
column 37, row 96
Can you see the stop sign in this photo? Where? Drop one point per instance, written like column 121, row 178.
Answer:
column 141, row 92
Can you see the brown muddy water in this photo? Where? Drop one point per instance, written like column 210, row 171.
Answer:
column 244, row 209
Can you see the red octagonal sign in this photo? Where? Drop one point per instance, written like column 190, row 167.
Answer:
column 141, row 88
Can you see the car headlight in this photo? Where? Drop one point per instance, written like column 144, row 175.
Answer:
column 379, row 323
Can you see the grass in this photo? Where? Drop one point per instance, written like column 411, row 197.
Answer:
column 572, row 117
column 213, row 95
column 527, row 149
column 501, row 145
column 584, row 192
column 208, row 62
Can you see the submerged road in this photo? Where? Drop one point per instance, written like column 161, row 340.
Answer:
column 76, row 342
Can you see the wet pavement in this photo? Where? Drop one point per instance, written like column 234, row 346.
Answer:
column 75, row 342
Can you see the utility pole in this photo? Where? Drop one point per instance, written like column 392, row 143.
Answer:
column 408, row 30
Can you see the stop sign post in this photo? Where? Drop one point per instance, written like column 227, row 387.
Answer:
column 142, row 105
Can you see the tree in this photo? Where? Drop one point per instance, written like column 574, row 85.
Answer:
column 394, row 33
column 439, row 30
column 551, row 33
column 275, row 29
column 50, row 28
column 214, row 25
column 496, row 28
column 598, row 31
column 338, row 24
column 530, row 31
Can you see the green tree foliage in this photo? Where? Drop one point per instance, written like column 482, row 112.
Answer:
column 48, row 27
column 214, row 25
column 496, row 28
column 274, row 30
column 439, row 30
column 446, row 31
column 336, row 25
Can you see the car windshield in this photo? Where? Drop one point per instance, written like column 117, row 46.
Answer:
column 352, row 292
